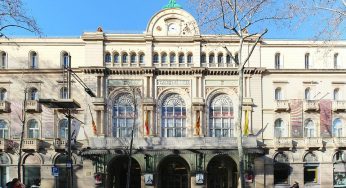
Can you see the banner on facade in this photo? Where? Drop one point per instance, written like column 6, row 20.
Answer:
column 326, row 118
column 75, row 126
column 296, row 118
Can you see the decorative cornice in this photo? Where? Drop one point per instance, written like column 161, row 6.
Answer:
column 305, row 71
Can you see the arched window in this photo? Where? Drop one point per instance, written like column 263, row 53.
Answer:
column 228, row 59
column 336, row 61
column 236, row 59
column 33, row 94
column 220, row 58
column 123, row 115
column 278, row 94
column 282, row 169
column 3, row 129
column 63, row 133
column 3, row 94
column 311, row 165
column 172, row 58
column 309, row 128
column 337, row 128
column 307, row 61
column 181, row 58
column 163, row 58
column 279, row 129
column 339, row 163
column 64, row 60
column 211, row 58
column 116, row 57
column 108, row 57
column 32, row 170
column 173, row 116
column 141, row 58
column 203, row 58
column 189, row 58
column 133, row 58
column 124, row 58
column 221, row 122
column 63, row 93
column 156, row 58
column 33, row 60
column 33, row 129
column 277, row 61
column 336, row 94
column 307, row 94
column 3, row 62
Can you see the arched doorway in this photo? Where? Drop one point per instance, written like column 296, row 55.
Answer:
column 4, row 169
column 32, row 170
column 117, row 170
column 222, row 172
column 60, row 162
column 173, row 173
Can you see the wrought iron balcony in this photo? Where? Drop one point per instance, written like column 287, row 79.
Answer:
column 283, row 142
column 33, row 106
column 5, row 106
column 311, row 105
column 31, row 144
column 59, row 143
column 339, row 105
column 282, row 105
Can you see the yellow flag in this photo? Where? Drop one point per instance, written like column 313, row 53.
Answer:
column 246, row 126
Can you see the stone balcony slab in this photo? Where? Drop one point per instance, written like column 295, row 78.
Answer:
column 339, row 105
column 31, row 144
column 33, row 106
column 59, row 144
column 283, row 142
column 3, row 144
column 282, row 105
column 311, row 105
column 5, row 106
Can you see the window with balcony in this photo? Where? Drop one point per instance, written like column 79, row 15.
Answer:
column 277, row 61
column 133, row 58
column 156, row 58
column 172, row 58
column 63, row 132
column 33, row 94
column 311, row 166
column 203, row 58
column 3, row 94
column 141, row 58
column 3, row 63
column 173, row 116
column 336, row 61
column 163, row 58
column 108, row 57
column 307, row 61
column 307, row 94
column 279, row 129
column 63, row 93
column 124, row 116
column 33, row 129
column 282, row 169
column 124, row 58
column 181, row 58
column 221, row 120
column 336, row 94
column 189, row 58
column 3, row 129
column 309, row 129
column 64, row 60
column 337, row 128
column 278, row 94
column 339, row 172
column 116, row 57
column 211, row 58
column 220, row 58
column 33, row 60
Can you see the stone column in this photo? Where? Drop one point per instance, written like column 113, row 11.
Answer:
column 326, row 174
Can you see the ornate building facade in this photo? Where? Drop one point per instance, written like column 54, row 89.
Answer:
column 178, row 90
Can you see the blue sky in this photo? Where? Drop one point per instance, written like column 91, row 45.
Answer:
column 70, row 18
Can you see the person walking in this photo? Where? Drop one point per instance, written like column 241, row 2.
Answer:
column 295, row 185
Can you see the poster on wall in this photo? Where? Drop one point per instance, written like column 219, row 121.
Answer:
column 149, row 179
column 199, row 178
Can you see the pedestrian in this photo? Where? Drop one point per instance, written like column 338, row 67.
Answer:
column 17, row 184
column 295, row 185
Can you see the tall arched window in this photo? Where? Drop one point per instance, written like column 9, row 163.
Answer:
column 3, row 62
column 336, row 61
column 309, row 128
column 307, row 61
column 337, row 128
column 63, row 133
column 124, row 58
column 33, row 60
column 108, row 57
column 307, row 94
column 311, row 165
column 163, row 58
column 189, row 58
column 3, row 94
column 173, row 116
column 133, row 58
column 228, row 59
column 172, row 58
column 278, row 94
column 141, row 58
column 63, row 93
column 33, row 94
column 211, row 58
column 123, row 115
column 279, row 129
column 277, row 61
column 33, row 129
column 64, row 60
column 116, row 57
column 336, row 94
column 281, row 169
column 203, row 58
column 3, row 129
column 220, row 58
column 156, row 58
column 181, row 58
column 221, row 122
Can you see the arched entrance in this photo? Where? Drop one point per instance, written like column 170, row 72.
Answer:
column 4, row 169
column 222, row 172
column 60, row 162
column 117, row 170
column 32, row 170
column 173, row 173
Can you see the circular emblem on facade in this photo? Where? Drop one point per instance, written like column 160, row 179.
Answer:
column 158, row 28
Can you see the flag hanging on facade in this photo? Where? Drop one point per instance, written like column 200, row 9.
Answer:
column 146, row 123
column 93, row 124
column 246, row 126
column 198, row 123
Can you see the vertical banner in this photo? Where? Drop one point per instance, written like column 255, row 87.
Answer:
column 326, row 118
column 75, row 126
column 198, row 122
column 296, row 118
column 47, row 122
column 246, row 125
column 146, row 123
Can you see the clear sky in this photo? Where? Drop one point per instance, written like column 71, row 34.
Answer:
column 65, row 18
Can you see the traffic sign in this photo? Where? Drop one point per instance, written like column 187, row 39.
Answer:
column 55, row 171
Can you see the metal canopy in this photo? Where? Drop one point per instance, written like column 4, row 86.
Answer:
column 60, row 103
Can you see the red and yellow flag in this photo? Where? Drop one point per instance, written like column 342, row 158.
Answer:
column 146, row 123
column 198, row 124
column 94, row 126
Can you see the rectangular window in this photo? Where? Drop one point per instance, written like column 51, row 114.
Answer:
column 310, row 174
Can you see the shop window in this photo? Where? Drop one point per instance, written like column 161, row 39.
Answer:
column 339, row 174
column 281, row 169
column 311, row 168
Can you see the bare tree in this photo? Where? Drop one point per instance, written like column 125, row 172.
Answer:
column 246, row 20
column 14, row 16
